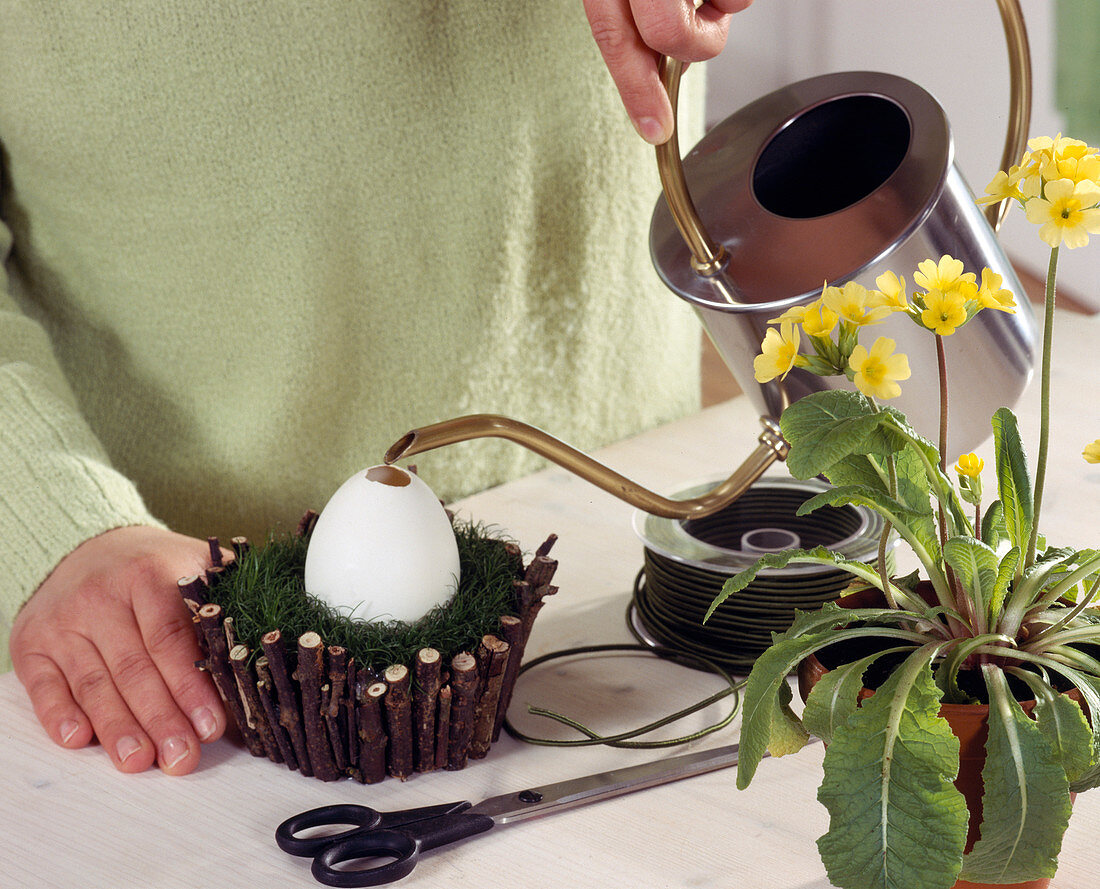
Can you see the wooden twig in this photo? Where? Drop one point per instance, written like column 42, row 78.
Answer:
column 216, row 559
column 240, row 545
column 265, row 687
column 372, row 736
column 443, row 727
column 306, row 523
column 425, row 698
column 464, row 679
column 335, row 712
column 546, row 545
column 193, row 589
column 311, row 655
column 540, row 571
column 511, row 628
column 228, row 627
column 493, row 655
column 290, row 713
column 515, row 557
column 250, row 695
column 399, row 721
column 529, row 602
column 351, row 718
column 217, row 662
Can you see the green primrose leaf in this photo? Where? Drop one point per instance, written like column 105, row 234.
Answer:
column 859, row 469
column 1051, row 567
column 1006, row 570
column 833, row 699
column 763, row 694
column 787, row 732
column 824, row 427
column 1064, row 725
column 912, row 487
column 917, row 528
column 1089, row 688
column 896, row 819
column 1026, row 805
column 975, row 566
column 817, row 556
column 993, row 525
column 1013, row 478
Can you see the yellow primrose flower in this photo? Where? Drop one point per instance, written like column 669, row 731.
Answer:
column 1004, row 185
column 945, row 275
column 778, row 353
column 852, row 303
column 819, row 320
column 1067, row 214
column 970, row 465
column 891, row 292
column 1058, row 158
column 1080, row 169
column 878, row 370
column 1046, row 147
column 794, row 315
column 1091, row 453
column 992, row 296
column 943, row 311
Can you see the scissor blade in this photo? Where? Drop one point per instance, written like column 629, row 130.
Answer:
column 549, row 798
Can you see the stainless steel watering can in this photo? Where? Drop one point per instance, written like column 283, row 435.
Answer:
column 833, row 179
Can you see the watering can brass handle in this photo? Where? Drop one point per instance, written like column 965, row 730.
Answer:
column 708, row 257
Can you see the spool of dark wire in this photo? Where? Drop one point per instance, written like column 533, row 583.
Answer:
column 687, row 562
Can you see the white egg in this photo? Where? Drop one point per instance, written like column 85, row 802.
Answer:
column 383, row 548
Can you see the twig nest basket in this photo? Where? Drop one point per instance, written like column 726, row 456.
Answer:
column 303, row 698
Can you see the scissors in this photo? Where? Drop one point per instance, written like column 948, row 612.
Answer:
column 397, row 838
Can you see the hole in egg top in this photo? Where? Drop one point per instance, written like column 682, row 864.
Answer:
column 389, row 475
column 383, row 548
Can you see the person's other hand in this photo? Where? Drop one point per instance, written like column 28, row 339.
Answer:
column 105, row 648
column 633, row 34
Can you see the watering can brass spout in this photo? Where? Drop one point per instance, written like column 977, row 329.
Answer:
column 771, row 447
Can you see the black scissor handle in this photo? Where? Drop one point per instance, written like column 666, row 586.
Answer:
column 403, row 845
column 398, row 845
column 362, row 817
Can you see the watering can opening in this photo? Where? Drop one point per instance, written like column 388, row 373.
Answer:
column 813, row 167
column 839, row 178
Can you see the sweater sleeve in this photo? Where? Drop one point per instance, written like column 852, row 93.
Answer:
column 57, row 488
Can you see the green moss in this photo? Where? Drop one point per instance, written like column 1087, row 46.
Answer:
column 265, row 591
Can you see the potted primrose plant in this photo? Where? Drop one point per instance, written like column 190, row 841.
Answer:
column 996, row 614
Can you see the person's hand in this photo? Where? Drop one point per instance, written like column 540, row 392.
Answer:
column 105, row 648
column 633, row 34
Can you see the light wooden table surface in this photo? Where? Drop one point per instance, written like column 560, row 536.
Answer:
column 68, row 820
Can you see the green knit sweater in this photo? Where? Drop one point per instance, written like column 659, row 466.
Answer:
column 248, row 245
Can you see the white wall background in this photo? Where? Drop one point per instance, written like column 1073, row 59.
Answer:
column 955, row 49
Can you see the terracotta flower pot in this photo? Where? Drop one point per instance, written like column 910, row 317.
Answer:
column 968, row 722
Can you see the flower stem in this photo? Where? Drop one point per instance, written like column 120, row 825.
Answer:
column 884, row 539
column 1044, row 405
column 941, row 361
column 962, row 601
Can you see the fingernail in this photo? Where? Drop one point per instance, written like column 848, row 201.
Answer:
column 204, row 722
column 650, row 129
column 68, row 728
column 127, row 747
column 173, row 751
